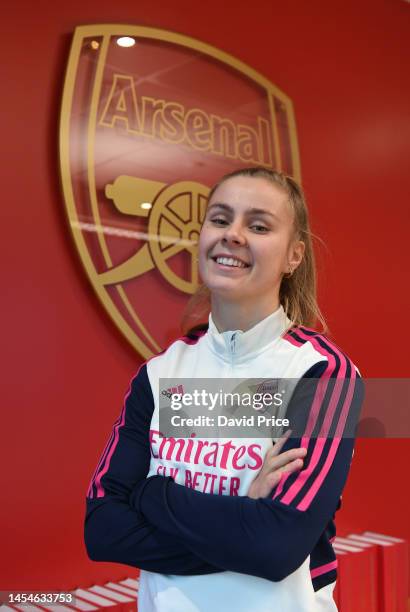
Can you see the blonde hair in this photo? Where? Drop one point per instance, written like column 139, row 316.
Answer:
column 297, row 293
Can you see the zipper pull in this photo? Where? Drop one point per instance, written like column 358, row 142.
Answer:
column 233, row 342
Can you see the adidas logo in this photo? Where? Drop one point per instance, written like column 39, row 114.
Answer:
column 169, row 392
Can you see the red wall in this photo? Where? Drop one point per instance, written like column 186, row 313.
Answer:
column 66, row 367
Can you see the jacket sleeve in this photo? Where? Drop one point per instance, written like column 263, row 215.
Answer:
column 114, row 531
column 271, row 537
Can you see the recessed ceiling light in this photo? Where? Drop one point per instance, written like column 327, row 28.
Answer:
column 146, row 205
column 125, row 41
column 94, row 44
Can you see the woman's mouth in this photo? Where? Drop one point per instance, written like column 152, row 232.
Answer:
column 229, row 262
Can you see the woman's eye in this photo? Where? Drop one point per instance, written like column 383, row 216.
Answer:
column 259, row 228
column 219, row 221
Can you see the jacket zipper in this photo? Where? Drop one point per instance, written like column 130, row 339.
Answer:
column 233, row 347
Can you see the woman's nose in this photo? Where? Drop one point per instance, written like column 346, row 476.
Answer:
column 234, row 235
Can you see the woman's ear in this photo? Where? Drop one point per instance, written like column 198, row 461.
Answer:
column 296, row 253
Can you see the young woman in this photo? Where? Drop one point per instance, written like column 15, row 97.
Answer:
column 236, row 524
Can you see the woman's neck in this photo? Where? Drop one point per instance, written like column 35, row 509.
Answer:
column 234, row 315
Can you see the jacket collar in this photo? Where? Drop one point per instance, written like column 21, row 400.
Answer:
column 236, row 344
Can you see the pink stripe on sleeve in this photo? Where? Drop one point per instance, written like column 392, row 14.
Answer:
column 90, row 492
column 307, row 500
column 304, row 475
column 295, row 488
column 102, row 459
column 100, row 489
column 119, row 423
column 320, row 393
column 323, row 569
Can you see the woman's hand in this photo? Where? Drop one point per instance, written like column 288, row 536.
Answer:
column 274, row 466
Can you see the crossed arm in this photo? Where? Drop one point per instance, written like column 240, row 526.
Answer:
column 158, row 525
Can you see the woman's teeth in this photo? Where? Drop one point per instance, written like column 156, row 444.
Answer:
column 229, row 261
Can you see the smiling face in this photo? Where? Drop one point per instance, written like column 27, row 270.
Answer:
column 247, row 241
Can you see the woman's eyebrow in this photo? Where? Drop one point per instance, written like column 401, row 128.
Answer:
column 252, row 211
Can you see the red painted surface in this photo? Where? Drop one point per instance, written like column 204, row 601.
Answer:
column 66, row 367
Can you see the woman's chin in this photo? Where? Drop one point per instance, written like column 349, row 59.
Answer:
column 228, row 290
